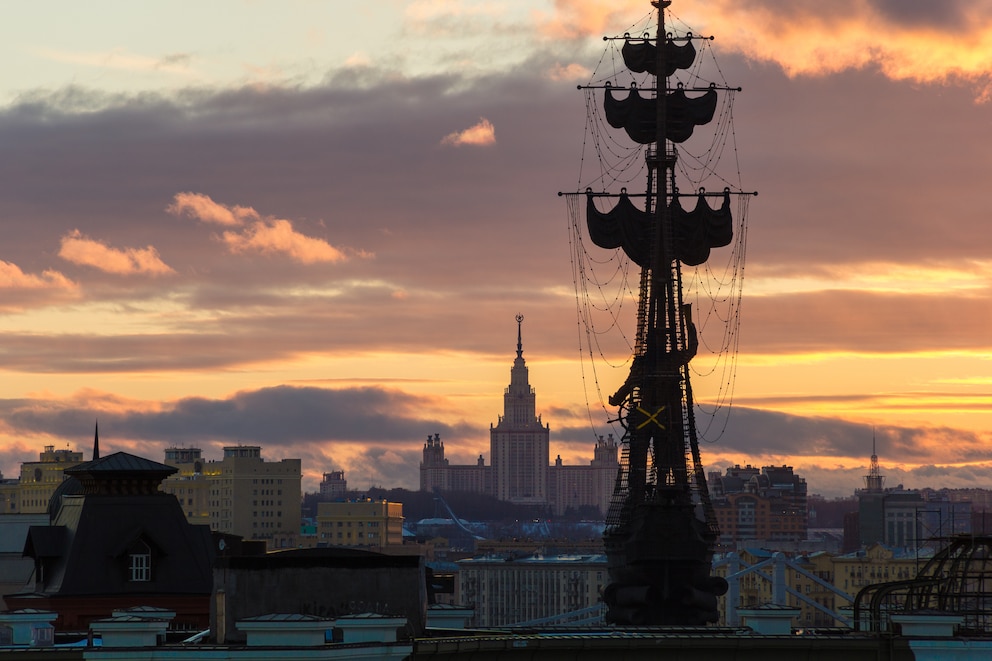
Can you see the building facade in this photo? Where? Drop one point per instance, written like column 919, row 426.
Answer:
column 767, row 504
column 334, row 485
column 877, row 563
column 809, row 590
column 907, row 518
column 376, row 525
column 437, row 474
column 585, row 487
column 38, row 481
column 242, row 494
column 754, row 589
column 519, row 452
column 504, row 592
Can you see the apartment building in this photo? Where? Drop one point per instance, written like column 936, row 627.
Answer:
column 241, row 494
column 376, row 525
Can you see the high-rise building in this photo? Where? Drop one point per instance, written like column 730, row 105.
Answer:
column 906, row 518
column 518, row 443
column 242, row 494
column 519, row 451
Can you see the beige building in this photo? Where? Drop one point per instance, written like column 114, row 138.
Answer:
column 505, row 591
column 848, row 573
column 876, row 564
column 574, row 487
column 242, row 494
column 373, row 524
column 755, row 590
column 9, row 500
column 39, row 479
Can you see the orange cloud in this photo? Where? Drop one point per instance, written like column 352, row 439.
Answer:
column 278, row 236
column 79, row 249
column 816, row 38
column 482, row 134
column 566, row 72
column 574, row 19
column 204, row 209
column 920, row 42
column 12, row 277
column 256, row 234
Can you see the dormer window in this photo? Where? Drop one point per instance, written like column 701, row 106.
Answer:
column 139, row 562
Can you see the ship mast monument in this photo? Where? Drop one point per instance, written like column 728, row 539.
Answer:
column 661, row 527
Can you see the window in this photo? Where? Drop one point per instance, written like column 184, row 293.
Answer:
column 140, row 562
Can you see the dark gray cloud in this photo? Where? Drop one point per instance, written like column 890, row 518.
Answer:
column 884, row 14
column 378, row 432
column 945, row 15
column 763, row 433
column 283, row 415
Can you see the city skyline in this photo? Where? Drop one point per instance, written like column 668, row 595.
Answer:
column 309, row 228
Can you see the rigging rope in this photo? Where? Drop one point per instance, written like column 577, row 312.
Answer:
column 607, row 283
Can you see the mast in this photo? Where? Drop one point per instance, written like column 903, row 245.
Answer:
column 661, row 527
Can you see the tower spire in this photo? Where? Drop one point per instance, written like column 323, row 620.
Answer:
column 874, row 480
column 96, row 440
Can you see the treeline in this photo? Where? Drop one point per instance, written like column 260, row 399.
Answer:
column 419, row 505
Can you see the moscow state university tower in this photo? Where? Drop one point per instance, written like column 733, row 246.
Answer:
column 518, row 443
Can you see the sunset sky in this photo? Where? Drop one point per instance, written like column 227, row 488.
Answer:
column 308, row 225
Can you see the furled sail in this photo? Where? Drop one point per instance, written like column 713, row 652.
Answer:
column 701, row 229
column 696, row 232
column 624, row 226
column 641, row 56
column 638, row 115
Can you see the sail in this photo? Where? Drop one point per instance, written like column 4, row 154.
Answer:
column 701, row 229
column 627, row 227
column 624, row 226
column 642, row 56
column 638, row 115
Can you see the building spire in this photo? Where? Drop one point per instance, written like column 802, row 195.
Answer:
column 520, row 344
column 96, row 440
column 874, row 480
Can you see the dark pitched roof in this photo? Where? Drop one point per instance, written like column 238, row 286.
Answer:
column 121, row 462
column 122, row 474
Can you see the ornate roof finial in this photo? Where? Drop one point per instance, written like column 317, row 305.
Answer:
column 520, row 346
